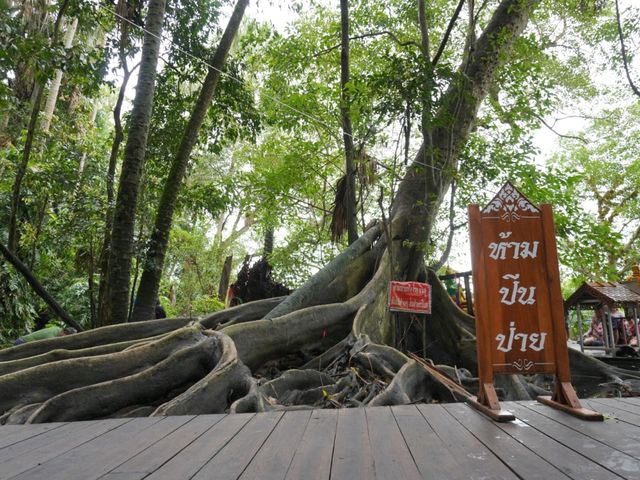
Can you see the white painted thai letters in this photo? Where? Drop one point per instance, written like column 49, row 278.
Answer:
column 513, row 292
column 516, row 293
column 515, row 250
column 533, row 341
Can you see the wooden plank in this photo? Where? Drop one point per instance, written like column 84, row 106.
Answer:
column 352, row 456
column 162, row 451
column 57, row 446
column 312, row 458
column 274, row 457
column 570, row 462
column 631, row 404
column 33, row 443
column 98, row 456
column 22, row 432
column 613, row 409
column 431, row 455
column 526, row 455
column 610, row 458
column 233, row 458
column 623, row 436
column 391, row 455
column 476, row 460
column 187, row 463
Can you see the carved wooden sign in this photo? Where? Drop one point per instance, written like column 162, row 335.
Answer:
column 512, row 284
column 519, row 307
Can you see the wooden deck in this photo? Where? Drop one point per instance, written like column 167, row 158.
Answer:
column 449, row 441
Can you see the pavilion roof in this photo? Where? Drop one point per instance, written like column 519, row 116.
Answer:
column 602, row 292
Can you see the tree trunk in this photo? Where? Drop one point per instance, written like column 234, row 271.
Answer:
column 157, row 247
column 21, row 171
column 103, row 297
column 347, row 129
column 119, row 269
column 52, row 97
column 224, row 278
column 38, row 288
column 423, row 188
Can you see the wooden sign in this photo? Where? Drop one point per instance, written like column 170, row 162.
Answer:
column 519, row 308
column 412, row 297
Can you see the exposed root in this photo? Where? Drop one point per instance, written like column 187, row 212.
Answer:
column 313, row 292
column 229, row 379
column 123, row 332
column 169, row 368
column 242, row 313
column 175, row 373
column 19, row 414
column 263, row 340
column 38, row 384
column 60, row 354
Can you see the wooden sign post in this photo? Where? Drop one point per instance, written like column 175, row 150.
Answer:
column 519, row 309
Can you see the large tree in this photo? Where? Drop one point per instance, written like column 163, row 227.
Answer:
column 328, row 343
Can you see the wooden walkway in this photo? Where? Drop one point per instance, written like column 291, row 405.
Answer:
column 448, row 441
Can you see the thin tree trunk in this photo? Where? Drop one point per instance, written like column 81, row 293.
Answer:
column 224, row 278
column 38, row 288
column 347, row 129
column 21, row 171
column 268, row 243
column 157, row 247
column 119, row 270
column 103, row 304
column 52, row 97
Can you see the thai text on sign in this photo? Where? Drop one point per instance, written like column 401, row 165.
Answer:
column 412, row 297
column 513, row 284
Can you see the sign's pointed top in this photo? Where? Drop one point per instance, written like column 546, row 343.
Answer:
column 510, row 205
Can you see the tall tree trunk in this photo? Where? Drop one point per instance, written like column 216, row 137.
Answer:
column 52, row 97
column 119, row 269
column 103, row 297
column 347, row 129
column 21, row 171
column 157, row 247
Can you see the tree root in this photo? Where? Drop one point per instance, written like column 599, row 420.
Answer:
column 241, row 313
column 175, row 373
column 229, row 380
column 263, row 340
column 92, row 338
column 170, row 368
column 42, row 382
column 60, row 354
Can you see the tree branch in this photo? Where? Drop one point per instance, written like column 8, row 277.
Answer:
column 367, row 35
column 624, row 52
column 452, row 228
column 447, row 33
column 572, row 137
column 38, row 288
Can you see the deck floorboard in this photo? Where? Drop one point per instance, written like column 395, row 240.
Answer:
column 412, row 442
